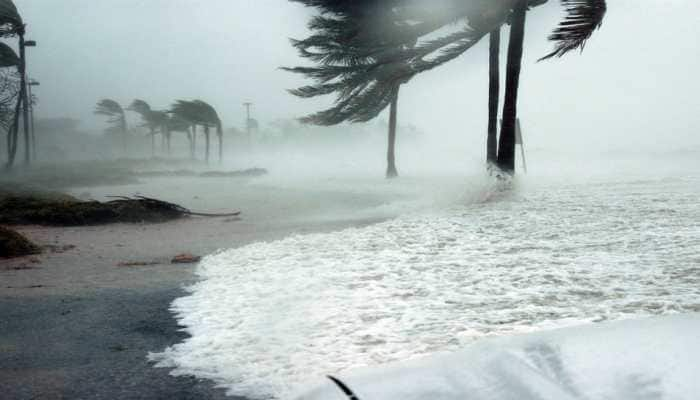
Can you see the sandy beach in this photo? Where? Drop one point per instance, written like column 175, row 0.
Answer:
column 77, row 323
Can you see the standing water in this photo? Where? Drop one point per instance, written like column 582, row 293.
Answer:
column 547, row 252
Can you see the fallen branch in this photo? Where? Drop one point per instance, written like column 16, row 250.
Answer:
column 160, row 204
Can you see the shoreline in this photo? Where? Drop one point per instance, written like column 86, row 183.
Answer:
column 76, row 325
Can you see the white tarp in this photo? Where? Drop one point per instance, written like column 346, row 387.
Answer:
column 656, row 358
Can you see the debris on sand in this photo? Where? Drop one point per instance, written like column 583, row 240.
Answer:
column 185, row 258
column 137, row 263
column 13, row 244
column 18, row 209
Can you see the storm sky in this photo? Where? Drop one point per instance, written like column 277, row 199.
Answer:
column 635, row 85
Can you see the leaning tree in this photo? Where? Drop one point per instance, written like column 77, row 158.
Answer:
column 153, row 120
column 444, row 30
column 200, row 113
column 116, row 118
column 336, row 42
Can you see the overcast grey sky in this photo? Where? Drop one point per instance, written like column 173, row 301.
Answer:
column 636, row 82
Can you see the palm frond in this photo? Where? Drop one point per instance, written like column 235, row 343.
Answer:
column 10, row 21
column 8, row 57
column 583, row 18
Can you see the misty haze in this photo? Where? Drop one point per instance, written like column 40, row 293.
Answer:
column 333, row 200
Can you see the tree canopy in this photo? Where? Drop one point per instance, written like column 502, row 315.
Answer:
column 364, row 49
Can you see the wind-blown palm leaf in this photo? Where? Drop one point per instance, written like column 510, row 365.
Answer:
column 114, row 111
column 151, row 119
column 363, row 65
column 139, row 107
column 8, row 57
column 583, row 18
column 196, row 112
column 176, row 123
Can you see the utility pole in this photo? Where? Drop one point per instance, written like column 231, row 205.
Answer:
column 247, row 106
column 23, row 94
column 30, row 83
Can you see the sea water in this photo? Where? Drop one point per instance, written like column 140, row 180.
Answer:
column 541, row 252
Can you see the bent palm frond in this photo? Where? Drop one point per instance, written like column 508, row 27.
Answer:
column 10, row 21
column 583, row 18
column 8, row 57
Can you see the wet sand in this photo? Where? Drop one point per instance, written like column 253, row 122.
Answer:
column 74, row 324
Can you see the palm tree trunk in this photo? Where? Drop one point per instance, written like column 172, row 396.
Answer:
column 153, row 143
column 391, row 171
column 12, row 135
column 124, row 133
column 494, row 93
column 506, row 144
column 193, row 138
column 220, row 134
column 206, row 143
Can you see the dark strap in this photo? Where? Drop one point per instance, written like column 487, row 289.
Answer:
column 344, row 388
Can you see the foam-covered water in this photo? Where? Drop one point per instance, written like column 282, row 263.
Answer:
column 269, row 317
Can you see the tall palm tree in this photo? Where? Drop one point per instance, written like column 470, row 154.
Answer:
column 441, row 34
column 336, row 35
column 583, row 18
column 184, row 111
column 200, row 113
column 175, row 123
column 494, row 95
column 116, row 118
column 211, row 120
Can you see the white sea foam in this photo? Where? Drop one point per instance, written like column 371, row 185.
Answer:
column 268, row 317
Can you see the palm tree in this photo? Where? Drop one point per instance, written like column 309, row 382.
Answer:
column 368, row 83
column 583, row 18
column 337, row 35
column 211, row 119
column 116, row 118
column 153, row 120
column 494, row 95
column 175, row 123
column 200, row 113
column 184, row 111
